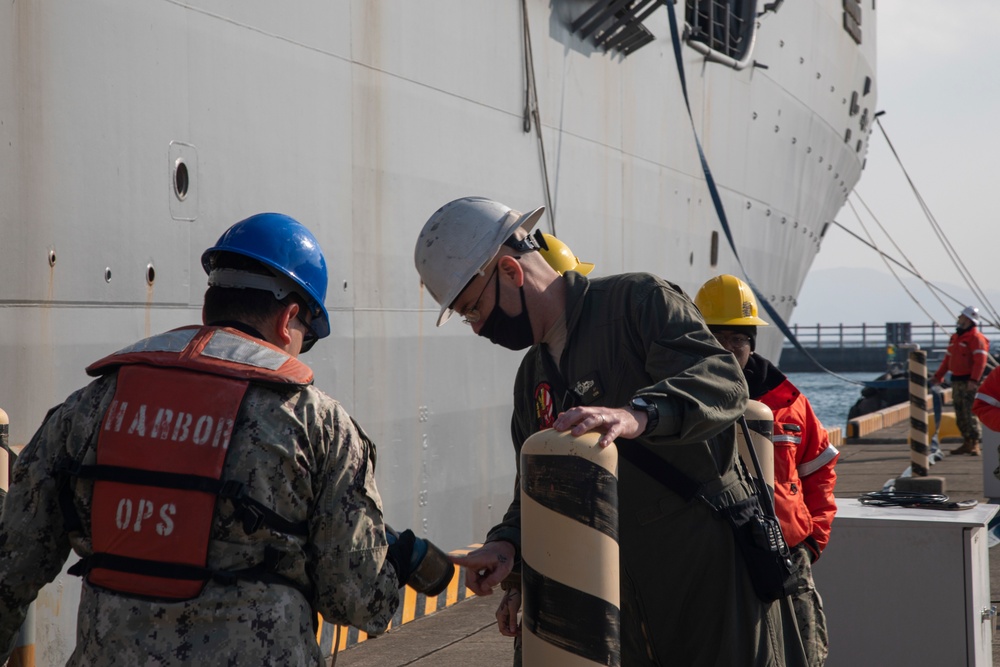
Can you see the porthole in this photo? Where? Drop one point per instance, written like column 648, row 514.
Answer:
column 181, row 179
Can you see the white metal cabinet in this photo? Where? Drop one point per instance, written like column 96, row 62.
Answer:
column 907, row 586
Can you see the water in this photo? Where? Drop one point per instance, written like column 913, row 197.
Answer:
column 831, row 397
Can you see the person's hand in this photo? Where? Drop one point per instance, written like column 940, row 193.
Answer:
column 611, row 422
column 507, row 613
column 487, row 566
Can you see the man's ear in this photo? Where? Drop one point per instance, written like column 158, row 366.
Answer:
column 280, row 325
column 511, row 269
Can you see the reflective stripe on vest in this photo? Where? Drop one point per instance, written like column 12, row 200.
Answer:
column 164, row 420
column 217, row 350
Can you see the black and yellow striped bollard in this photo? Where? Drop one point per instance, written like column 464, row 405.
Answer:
column 919, row 444
column 569, row 551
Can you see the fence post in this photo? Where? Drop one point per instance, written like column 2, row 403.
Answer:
column 819, row 336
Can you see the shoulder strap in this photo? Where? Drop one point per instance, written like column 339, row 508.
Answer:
column 766, row 501
column 660, row 470
column 678, row 482
column 264, row 571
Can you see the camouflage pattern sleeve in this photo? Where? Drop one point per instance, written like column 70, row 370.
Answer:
column 33, row 542
column 355, row 584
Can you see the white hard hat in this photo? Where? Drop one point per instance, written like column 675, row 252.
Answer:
column 972, row 313
column 460, row 240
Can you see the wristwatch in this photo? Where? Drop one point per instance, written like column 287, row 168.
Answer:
column 652, row 414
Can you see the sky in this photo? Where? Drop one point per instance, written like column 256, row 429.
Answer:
column 938, row 84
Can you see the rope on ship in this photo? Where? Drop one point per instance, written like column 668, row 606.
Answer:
column 939, row 231
column 531, row 112
column 912, row 269
column 724, row 221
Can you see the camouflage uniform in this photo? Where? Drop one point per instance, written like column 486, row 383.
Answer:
column 298, row 452
column 963, row 393
column 809, row 609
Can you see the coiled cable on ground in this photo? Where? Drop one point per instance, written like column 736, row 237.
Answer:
column 932, row 501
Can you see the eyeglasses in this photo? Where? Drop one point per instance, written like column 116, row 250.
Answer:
column 309, row 338
column 735, row 340
column 472, row 315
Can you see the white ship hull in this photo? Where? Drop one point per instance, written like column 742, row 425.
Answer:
column 360, row 118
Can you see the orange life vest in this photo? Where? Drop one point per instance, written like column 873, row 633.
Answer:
column 161, row 450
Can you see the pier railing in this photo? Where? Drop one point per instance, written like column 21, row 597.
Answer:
column 928, row 336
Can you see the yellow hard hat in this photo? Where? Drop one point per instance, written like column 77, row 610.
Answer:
column 561, row 258
column 727, row 300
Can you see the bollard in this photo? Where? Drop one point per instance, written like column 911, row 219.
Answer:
column 569, row 551
column 919, row 446
column 760, row 420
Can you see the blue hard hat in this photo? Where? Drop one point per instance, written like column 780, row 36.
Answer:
column 285, row 245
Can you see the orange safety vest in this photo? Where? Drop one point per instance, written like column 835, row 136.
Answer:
column 966, row 356
column 161, row 450
column 986, row 406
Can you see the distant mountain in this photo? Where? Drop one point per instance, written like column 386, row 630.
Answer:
column 855, row 296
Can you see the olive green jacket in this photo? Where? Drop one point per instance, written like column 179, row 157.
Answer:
column 685, row 594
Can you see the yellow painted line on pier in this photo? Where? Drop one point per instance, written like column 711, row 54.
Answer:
column 452, row 596
column 411, row 604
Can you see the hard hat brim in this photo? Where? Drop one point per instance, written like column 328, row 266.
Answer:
column 738, row 322
column 583, row 268
column 525, row 220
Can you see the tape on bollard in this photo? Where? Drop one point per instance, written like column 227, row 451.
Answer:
column 760, row 419
column 569, row 551
column 919, row 443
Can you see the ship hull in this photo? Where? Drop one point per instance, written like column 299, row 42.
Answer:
column 360, row 118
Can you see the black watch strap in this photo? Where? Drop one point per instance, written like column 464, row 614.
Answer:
column 652, row 413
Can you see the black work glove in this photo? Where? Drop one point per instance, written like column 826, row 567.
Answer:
column 401, row 553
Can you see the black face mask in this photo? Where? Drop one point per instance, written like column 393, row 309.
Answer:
column 514, row 333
